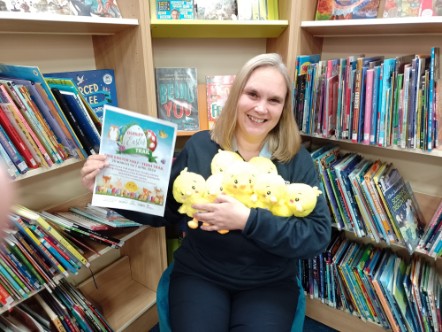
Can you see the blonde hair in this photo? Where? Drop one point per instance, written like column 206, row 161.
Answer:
column 284, row 140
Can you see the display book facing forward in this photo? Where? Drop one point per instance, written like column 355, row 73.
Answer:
column 177, row 96
column 139, row 149
column 96, row 8
column 97, row 86
column 217, row 90
column 345, row 10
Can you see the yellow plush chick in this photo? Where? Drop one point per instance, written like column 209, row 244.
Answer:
column 302, row 198
column 223, row 160
column 263, row 165
column 189, row 188
column 238, row 182
column 214, row 187
column 270, row 193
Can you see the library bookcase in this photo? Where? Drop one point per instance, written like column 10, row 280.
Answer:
column 133, row 47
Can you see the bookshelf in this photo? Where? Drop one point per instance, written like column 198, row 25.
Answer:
column 65, row 43
column 389, row 37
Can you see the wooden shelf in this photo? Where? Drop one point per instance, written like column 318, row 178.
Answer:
column 374, row 27
column 24, row 23
column 127, row 301
column 217, row 29
column 44, row 170
column 338, row 319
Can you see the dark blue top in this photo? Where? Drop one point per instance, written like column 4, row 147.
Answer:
column 267, row 249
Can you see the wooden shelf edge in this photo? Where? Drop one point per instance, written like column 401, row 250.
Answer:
column 63, row 24
column 44, row 170
column 373, row 27
column 217, row 29
column 338, row 319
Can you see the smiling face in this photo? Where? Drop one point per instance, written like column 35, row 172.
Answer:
column 260, row 104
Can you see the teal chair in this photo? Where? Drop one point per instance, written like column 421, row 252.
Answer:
column 163, row 304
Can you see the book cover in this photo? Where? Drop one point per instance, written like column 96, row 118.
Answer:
column 96, row 8
column 177, row 96
column 140, row 154
column 216, row 9
column 402, row 208
column 174, row 10
column 97, row 86
column 12, row 152
column 218, row 88
column 91, row 213
column 346, row 9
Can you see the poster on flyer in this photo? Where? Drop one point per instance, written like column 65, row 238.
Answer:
column 139, row 149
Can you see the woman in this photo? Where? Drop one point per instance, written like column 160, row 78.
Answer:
column 243, row 280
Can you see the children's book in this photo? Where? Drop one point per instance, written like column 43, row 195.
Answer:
column 97, row 86
column 346, row 9
column 402, row 207
column 140, row 153
column 97, row 8
column 218, row 88
column 174, row 10
column 216, row 9
column 177, row 96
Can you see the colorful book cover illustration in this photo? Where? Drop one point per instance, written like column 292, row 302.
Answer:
column 177, row 96
column 216, row 9
column 218, row 88
column 346, row 9
column 140, row 153
column 97, row 86
column 175, row 10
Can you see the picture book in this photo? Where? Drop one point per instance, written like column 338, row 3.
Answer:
column 402, row 207
column 97, row 86
column 140, row 153
column 216, row 9
column 218, row 88
column 175, row 10
column 346, row 9
column 177, row 96
column 97, row 8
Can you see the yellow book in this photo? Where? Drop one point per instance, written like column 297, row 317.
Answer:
column 34, row 216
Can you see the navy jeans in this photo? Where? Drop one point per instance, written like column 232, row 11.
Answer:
column 197, row 305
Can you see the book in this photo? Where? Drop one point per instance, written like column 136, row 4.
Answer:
column 92, row 212
column 177, row 96
column 95, row 8
column 97, row 86
column 12, row 152
column 55, row 319
column 140, row 154
column 174, row 10
column 38, row 219
column 216, row 10
column 217, row 90
column 402, row 208
column 33, row 74
column 345, row 10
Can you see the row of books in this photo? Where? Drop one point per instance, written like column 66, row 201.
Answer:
column 44, row 120
column 369, row 198
column 217, row 9
column 177, row 96
column 369, row 9
column 97, row 8
column 39, row 248
column 372, row 100
column 63, row 309
column 376, row 285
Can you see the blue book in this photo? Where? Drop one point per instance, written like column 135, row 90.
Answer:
column 97, row 86
column 375, row 105
column 389, row 67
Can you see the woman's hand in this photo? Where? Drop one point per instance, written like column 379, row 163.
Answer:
column 93, row 165
column 226, row 213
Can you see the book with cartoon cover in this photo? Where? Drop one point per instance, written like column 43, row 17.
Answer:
column 139, row 149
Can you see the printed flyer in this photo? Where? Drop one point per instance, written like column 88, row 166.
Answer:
column 140, row 153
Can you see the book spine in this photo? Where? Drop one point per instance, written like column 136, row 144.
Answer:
column 52, row 315
column 368, row 106
column 13, row 153
column 375, row 105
